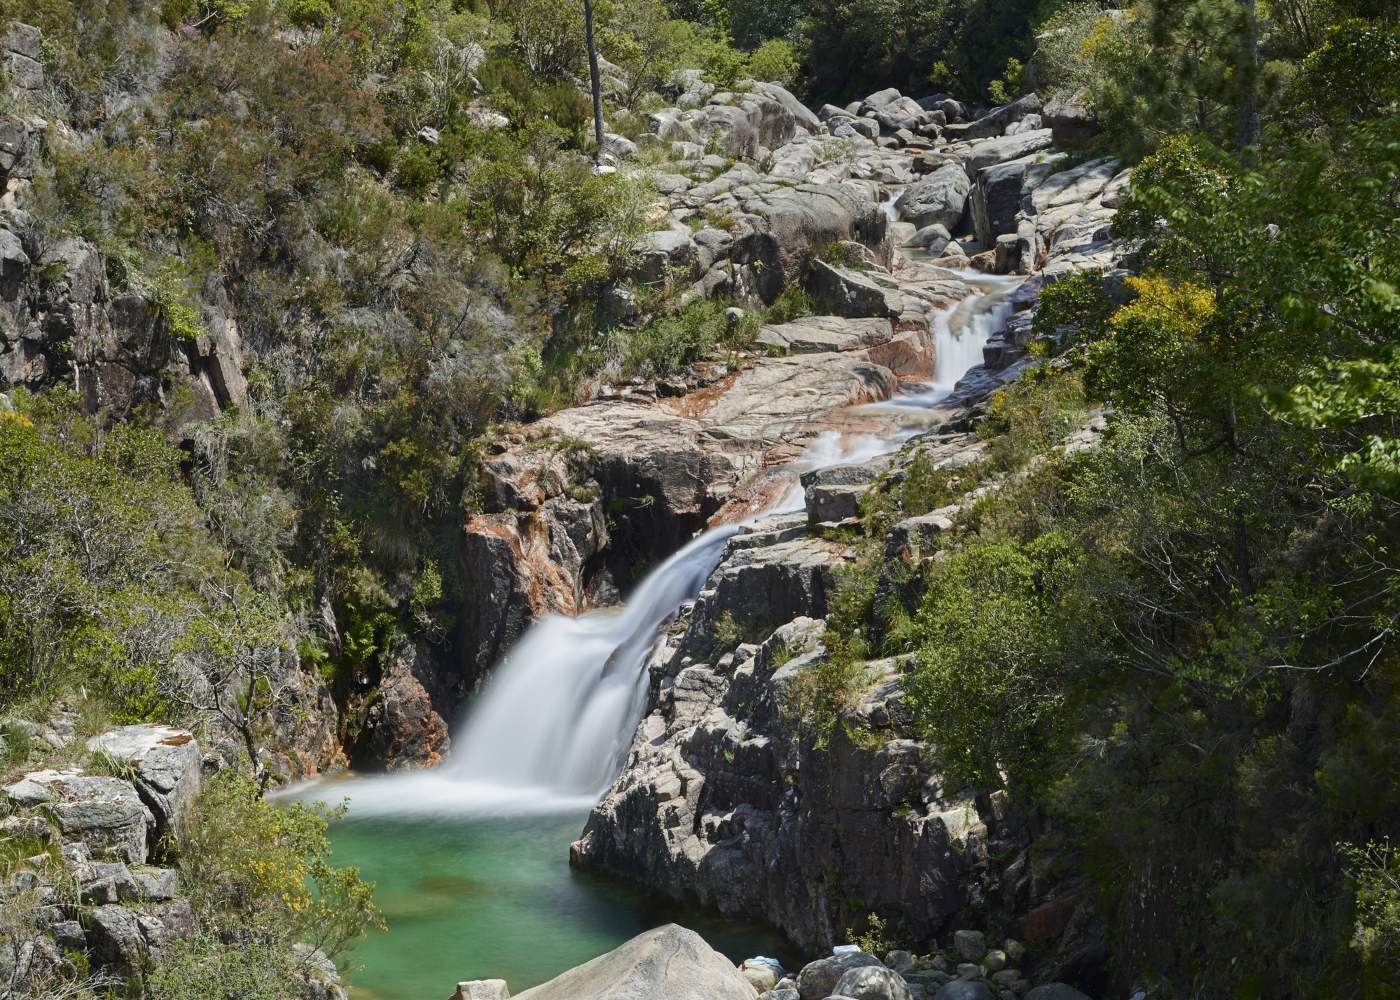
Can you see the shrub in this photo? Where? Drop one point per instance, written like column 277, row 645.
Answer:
column 776, row 62
column 260, row 874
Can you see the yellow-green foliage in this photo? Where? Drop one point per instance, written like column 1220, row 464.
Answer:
column 260, row 873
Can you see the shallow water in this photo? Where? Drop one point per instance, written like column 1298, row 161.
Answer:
column 494, row 898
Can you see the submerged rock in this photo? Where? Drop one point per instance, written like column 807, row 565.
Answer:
column 669, row 962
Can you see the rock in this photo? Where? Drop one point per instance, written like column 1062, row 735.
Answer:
column 106, row 814
column 872, row 983
column 107, row 883
column 662, row 252
column 1072, row 125
column 319, row 974
column 971, row 970
column 1079, row 184
column 1015, row 951
column 820, row 334
column 167, row 763
column 669, row 962
column 994, row 960
column 1055, row 991
column 932, row 238
column 818, row 979
column 852, row 294
column 115, row 937
column 792, row 223
column 619, row 147
column 899, row 961
column 832, row 504
column 402, row 729
column 977, row 155
column 482, row 989
column 761, row 977
column 938, row 199
column 971, row 945
column 995, row 122
column 964, row 990
column 156, row 884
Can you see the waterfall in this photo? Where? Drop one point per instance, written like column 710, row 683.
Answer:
column 560, row 711
column 553, row 725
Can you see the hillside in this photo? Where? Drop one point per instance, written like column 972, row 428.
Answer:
column 980, row 419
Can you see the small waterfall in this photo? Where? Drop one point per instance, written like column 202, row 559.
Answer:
column 559, row 713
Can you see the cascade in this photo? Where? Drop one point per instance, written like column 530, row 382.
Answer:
column 552, row 728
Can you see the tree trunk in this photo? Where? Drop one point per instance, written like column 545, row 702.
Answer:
column 1247, row 123
column 597, row 79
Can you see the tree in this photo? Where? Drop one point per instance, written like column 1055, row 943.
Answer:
column 595, row 78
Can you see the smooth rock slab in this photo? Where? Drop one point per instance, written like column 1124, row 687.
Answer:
column 668, row 963
column 167, row 765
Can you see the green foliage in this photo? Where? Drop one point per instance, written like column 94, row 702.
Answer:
column 671, row 343
column 260, row 876
column 1006, row 626
column 825, row 691
column 1375, row 870
column 775, row 61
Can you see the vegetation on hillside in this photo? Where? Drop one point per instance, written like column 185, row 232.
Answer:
column 1180, row 647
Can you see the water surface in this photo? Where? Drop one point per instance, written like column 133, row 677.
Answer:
column 494, row 898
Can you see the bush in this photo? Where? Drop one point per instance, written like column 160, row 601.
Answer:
column 260, row 875
column 776, row 62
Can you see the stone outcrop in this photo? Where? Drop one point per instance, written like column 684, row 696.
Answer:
column 670, row 962
column 166, row 764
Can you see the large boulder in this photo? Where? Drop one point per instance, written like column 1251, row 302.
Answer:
column 852, row 294
column 872, row 983
column 939, row 199
column 976, row 155
column 996, row 121
column 792, row 223
column 818, row 979
column 167, row 766
column 668, row 963
column 1073, row 125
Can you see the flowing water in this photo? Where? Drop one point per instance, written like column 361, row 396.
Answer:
column 470, row 859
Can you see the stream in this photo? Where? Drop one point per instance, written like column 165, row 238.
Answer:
column 471, row 859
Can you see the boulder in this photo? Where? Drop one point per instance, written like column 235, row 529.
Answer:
column 115, row 937
column 996, row 199
column 976, row 155
column 938, row 199
column 402, row 728
column 1055, row 991
column 818, row 334
column 670, row 962
column 971, row 945
column 1080, row 184
column 995, row 122
column 1072, row 125
column 790, row 224
column 167, row 763
column 482, row 989
column 818, row 979
column 852, row 294
column 965, row 990
column 931, row 238
column 872, row 983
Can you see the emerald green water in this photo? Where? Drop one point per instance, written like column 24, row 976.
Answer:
column 495, row 898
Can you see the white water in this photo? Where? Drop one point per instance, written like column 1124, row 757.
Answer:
column 552, row 728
